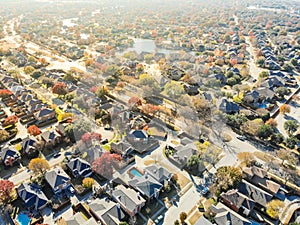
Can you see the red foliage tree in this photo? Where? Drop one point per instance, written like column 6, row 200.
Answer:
column 60, row 88
column 10, row 120
column 134, row 101
column 88, row 137
column 233, row 62
column 34, row 130
column 5, row 93
column 6, row 190
column 93, row 89
column 150, row 109
column 105, row 164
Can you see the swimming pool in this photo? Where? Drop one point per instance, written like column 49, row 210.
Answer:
column 23, row 219
column 135, row 172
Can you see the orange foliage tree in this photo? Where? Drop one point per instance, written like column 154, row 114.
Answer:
column 33, row 130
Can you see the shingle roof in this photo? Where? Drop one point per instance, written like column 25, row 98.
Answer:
column 55, row 177
column 158, row 172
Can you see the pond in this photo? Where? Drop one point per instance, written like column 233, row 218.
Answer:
column 23, row 219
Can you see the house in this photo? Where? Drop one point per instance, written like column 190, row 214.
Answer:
column 225, row 216
column 259, row 177
column 229, row 107
column 122, row 147
column 159, row 173
column 237, row 202
column 106, row 211
column 260, row 196
column 79, row 167
column 45, row 114
column 10, row 156
column 182, row 154
column 51, row 137
column 130, row 200
column 273, row 82
column 146, row 185
column 29, row 145
column 33, row 196
column 138, row 136
column 79, row 219
column 258, row 95
column 203, row 221
column 57, row 179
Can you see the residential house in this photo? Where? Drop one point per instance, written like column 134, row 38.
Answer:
column 51, row 137
column 259, row 177
column 182, row 154
column 106, row 211
column 138, row 136
column 259, row 95
column 33, row 196
column 29, row 145
column 159, row 173
column 57, row 179
column 229, row 107
column 122, row 147
column 203, row 221
column 45, row 114
column 257, row 194
column 130, row 200
column 79, row 167
column 146, row 185
column 10, row 156
column 226, row 216
column 273, row 82
column 237, row 202
column 79, row 219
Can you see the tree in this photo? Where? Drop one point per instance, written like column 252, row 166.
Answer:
column 33, row 130
column 105, row 164
column 47, row 81
column 271, row 122
column 134, row 101
column 65, row 116
column 78, row 128
column 290, row 126
column 286, row 155
column 236, row 120
column 202, row 107
column 88, row 182
column 148, row 81
column 36, row 74
column 174, row 89
column 285, row 109
column 101, row 92
column 10, row 120
column 114, row 71
column 182, row 216
column 69, row 76
column 277, row 138
column 282, row 91
column 60, row 88
column 28, row 69
column 245, row 157
column 265, row 131
column 263, row 74
column 228, row 177
column 274, row 208
column 193, row 162
column 4, row 93
column 7, row 192
column 3, row 135
column 87, row 138
column 39, row 165
column 291, row 141
column 176, row 222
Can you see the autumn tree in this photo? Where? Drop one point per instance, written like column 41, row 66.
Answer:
column 60, row 89
column 271, row 122
column 28, row 69
column 33, row 130
column 39, row 165
column 150, row 109
column 105, row 164
column 285, row 109
column 4, row 93
column 10, row 120
column 274, row 208
column 101, row 92
column 3, row 135
column 7, row 192
column 245, row 157
column 182, row 216
column 88, row 182
column 290, row 126
column 87, row 138
column 174, row 89
column 134, row 101
column 227, row 177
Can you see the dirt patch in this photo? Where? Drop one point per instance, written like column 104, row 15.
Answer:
column 195, row 216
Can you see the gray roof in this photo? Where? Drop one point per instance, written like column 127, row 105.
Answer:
column 159, row 173
column 127, row 197
column 107, row 211
column 145, row 184
column 56, row 177
column 79, row 166
column 203, row 221
column 78, row 219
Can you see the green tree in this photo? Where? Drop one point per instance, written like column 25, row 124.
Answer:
column 265, row 131
column 78, row 128
column 291, row 141
column 174, row 89
column 236, row 120
column 277, row 138
column 36, row 74
column 282, row 91
column 114, row 71
column 227, row 177
column 193, row 162
column 290, row 126
column 274, row 208
column 69, row 76
column 102, row 91
column 263, row 74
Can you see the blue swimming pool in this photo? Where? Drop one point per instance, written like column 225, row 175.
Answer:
column 135, row 173
column 23, row 219
column 263, row 106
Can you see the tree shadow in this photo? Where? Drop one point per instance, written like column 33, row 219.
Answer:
column 287, row 117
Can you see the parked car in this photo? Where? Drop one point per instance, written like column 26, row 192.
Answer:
column 242, row 138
